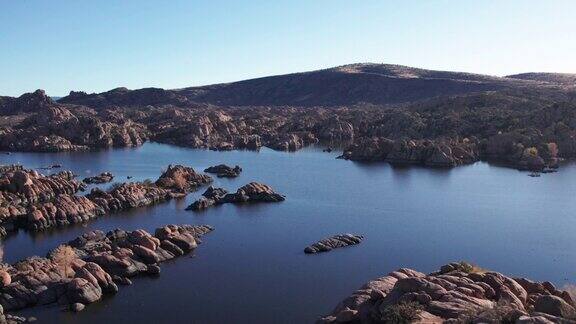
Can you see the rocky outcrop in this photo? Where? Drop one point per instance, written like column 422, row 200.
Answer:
column 334, row 242
column 32, row 187
column 28, row 198
column 224, row 171
column 63, row 211
column 423, row 152
column 209, row 198
column 88, row 267
column 457, row 293
column 103, row 177
column 55, row 128
column 335, row 130
column 182, row 179
column 252, row 192
column 36, row 202
column 10, row 168
column 128, row 195
column 290, row 141
column 26, row 103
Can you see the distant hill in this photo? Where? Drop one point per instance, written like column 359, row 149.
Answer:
column 558, row 78
column 345, row 85
column 377, row 84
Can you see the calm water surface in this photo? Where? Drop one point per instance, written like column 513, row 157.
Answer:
column 252, row 268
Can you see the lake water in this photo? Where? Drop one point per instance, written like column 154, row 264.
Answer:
column 252, row 268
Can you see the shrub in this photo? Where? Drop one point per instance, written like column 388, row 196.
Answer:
column 401, row 313
column 115, row 186
column 180, row 182
column 148, row 183
column 532, row 151
column 500, row 313
column 469, row 267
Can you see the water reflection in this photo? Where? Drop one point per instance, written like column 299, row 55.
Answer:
column 253, row 262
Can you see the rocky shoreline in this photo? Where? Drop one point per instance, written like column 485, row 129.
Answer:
column 440, row 132
column 35, row 202
column 457, row 293
column 85, row 269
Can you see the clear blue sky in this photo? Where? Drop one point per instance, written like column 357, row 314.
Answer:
column 95, row 46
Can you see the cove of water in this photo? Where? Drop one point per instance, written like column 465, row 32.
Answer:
column 252, row 268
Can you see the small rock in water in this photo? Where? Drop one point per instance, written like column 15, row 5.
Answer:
column 252, row 192
column 103, row 177
column 224, row 171
column 334, row 242
column 15, row 319
column 153, row 270
column 121, row 280
column 77, row 307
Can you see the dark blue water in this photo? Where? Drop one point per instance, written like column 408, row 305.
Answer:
column 252, row 269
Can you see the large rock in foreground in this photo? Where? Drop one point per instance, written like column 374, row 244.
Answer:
column 458, row 293
column 334, row 242
column 90, row 266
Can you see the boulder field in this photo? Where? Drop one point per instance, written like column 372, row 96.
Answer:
column 524, row 130
column 85, row 269
column 36, row 202
column 457, row 293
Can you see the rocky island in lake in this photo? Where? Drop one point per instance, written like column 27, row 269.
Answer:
column 252, row 192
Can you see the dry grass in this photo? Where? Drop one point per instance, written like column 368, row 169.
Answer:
column 571, row 290
column 500, row 313
column 148, row 183
column 401, row 313
column 470, row 267
column 63, row 257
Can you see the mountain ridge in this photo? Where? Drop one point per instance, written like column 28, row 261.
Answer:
column 379, row 84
